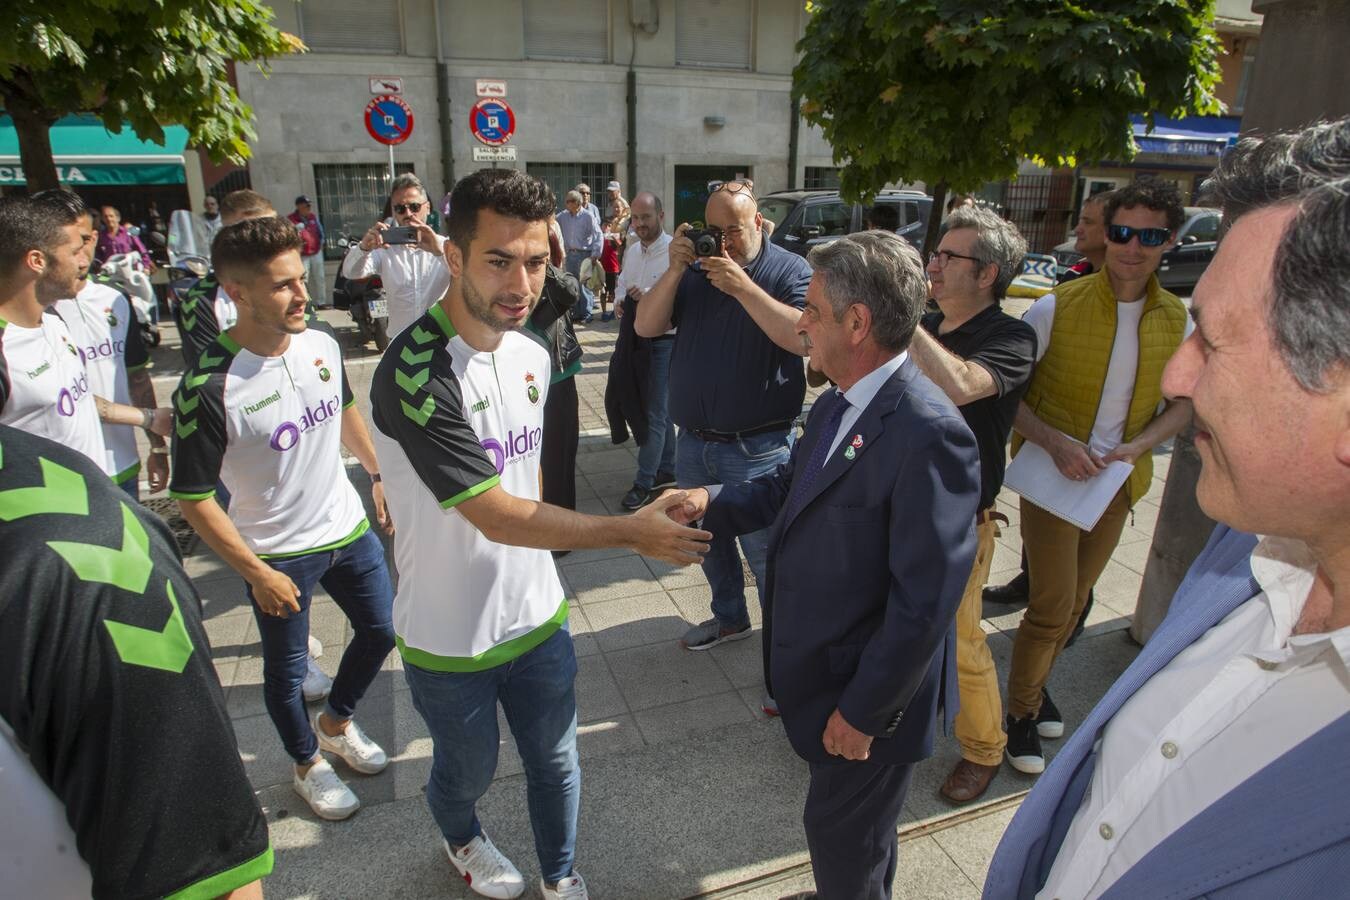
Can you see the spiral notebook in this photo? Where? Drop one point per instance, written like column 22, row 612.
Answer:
column 1034, row 475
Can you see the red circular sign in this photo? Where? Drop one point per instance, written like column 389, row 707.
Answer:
column 492, row 121
column 389, row 119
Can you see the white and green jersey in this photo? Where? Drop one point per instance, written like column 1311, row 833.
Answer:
column 44, row 389
column 270, row 429
column 450, row 423
column 102, row 322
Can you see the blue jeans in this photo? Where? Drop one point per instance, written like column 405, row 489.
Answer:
column 658, row 453
column 698, row 463
column 460, row 710
column 586, row 301
column 132, row 487
column 357, row 579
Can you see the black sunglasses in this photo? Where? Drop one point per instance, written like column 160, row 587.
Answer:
column 402, row 208
column 1148, row 237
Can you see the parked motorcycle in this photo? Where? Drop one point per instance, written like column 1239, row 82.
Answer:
column 364, row 302
column 183, row 274
column 124, row 272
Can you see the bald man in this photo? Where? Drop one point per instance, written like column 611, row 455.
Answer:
column 736, row 377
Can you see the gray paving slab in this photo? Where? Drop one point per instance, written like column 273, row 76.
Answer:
column 659, row 674
column 609, row 579
column 633, row 621
column 971, row 844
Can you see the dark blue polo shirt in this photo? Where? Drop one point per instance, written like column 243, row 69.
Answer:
column 725, row 373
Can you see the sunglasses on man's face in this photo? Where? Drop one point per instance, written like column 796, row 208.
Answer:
column 1148, row 237
column 402, row 208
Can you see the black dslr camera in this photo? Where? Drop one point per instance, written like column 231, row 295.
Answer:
column 706, row 241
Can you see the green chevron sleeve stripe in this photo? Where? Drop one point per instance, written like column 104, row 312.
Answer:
column 168, row 649
column 128, row 567
column 63, row 492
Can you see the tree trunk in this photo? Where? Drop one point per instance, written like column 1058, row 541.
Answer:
column 932, row 236
column 1178, row 538
column 35, row 143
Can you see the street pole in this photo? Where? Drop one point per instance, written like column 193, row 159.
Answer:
column 391, row 163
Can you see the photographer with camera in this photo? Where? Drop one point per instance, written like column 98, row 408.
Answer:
column 736, row 375
column 409, row 257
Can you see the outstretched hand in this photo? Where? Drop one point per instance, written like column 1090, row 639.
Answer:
column 691, row 509
column 660, row 533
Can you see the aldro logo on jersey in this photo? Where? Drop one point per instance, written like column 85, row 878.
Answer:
column 287, row 434
column 69, row 397
column 519, row 444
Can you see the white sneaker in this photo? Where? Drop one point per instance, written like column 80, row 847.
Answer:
column 573, row 887
column 325, row 793
column 315, row 647
column 317, row 685
column 485, row 869
column 356, row 750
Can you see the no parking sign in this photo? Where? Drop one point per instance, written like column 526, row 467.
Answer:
column 492, row 121
column 389, row 119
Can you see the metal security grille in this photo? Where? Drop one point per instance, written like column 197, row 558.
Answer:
column 235, row 181
column 567, row 29
column 821, row 178
column 350, row 196
column 1039, row 205
column 352, row 26
column 713, row 33
column 562, row 177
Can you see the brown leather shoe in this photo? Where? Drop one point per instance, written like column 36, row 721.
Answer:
column 968, row 781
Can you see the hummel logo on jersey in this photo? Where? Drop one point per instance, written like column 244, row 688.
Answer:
column 36, row 373
column 287, row 434
column 263, row 403
column 480, row 405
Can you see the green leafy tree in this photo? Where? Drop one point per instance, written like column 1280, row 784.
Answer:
column 954, row 93
column 145, row 63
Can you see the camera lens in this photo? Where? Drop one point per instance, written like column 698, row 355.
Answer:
column 706, row 245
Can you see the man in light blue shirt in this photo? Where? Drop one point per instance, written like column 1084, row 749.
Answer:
column 581, row 239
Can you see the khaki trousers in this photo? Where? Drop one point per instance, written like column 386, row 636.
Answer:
column 1064, row 562
column 979, row 721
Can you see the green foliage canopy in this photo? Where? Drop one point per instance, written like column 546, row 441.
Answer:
column 959, row 91
column 147, row 63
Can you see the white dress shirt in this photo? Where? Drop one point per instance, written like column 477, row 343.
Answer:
column 643, row 266
column 413, row 278
column 1229, row 705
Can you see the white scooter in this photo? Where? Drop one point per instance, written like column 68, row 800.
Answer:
column 123, row 271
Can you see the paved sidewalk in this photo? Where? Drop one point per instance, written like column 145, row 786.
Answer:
column 688, row 789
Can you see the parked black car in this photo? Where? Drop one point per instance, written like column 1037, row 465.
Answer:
column 1182, row 265
column 804, row 219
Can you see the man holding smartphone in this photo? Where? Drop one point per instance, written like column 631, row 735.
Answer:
column 409, row 256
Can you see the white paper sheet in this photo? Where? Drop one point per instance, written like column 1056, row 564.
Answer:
column 1034, row 475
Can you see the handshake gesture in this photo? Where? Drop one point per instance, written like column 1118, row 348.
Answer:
column 661, row 529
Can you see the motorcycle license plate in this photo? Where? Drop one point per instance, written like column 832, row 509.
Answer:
column 378, row 309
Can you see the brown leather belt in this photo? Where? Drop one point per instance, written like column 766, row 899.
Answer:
column 990, row 515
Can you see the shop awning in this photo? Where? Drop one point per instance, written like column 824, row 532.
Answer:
column 87, row 153
column 1191, row 136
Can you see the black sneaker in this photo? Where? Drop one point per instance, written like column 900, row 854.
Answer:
column 1049, row 723
column 1014, row 593
column 1024, row 746
column 637, row 497
column 663, row 480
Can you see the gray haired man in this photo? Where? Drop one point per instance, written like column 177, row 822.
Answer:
column 414, row 274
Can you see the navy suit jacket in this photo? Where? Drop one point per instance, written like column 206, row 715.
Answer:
column 864, row 579
column 1284, row 832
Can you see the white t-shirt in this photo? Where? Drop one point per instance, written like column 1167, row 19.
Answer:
column 450, row 423
column 44, row 389
column 413, row 279
column 1108, row 430
column 102, row 322
column 270, row 429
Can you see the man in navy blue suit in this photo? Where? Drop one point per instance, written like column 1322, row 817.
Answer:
column 872, row 539
column 1216, row 766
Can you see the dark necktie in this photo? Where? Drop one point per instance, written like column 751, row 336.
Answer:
column 806, row 476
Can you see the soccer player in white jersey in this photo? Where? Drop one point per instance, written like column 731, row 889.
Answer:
column 480, row 617
column 101, row 321
column 44, row 388
column 266, row 411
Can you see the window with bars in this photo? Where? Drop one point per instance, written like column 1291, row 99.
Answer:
column 713, row 34
column 562, row 177
column 350, row 196
column 352, row 26
column 821, row 178
column 567, row 29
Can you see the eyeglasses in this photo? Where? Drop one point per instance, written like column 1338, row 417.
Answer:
column 1148, row 237
column 944, row 257
column 402, row 208
column 732, row 187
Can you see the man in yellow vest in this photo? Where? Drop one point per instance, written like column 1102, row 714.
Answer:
column 1096, row 398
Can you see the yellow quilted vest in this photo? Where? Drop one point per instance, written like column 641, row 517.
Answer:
column 1066, row 388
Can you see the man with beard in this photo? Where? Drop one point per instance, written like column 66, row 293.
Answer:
column 480, row 616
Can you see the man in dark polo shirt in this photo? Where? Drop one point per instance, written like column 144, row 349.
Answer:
column 982, row 359
column 736, row 377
